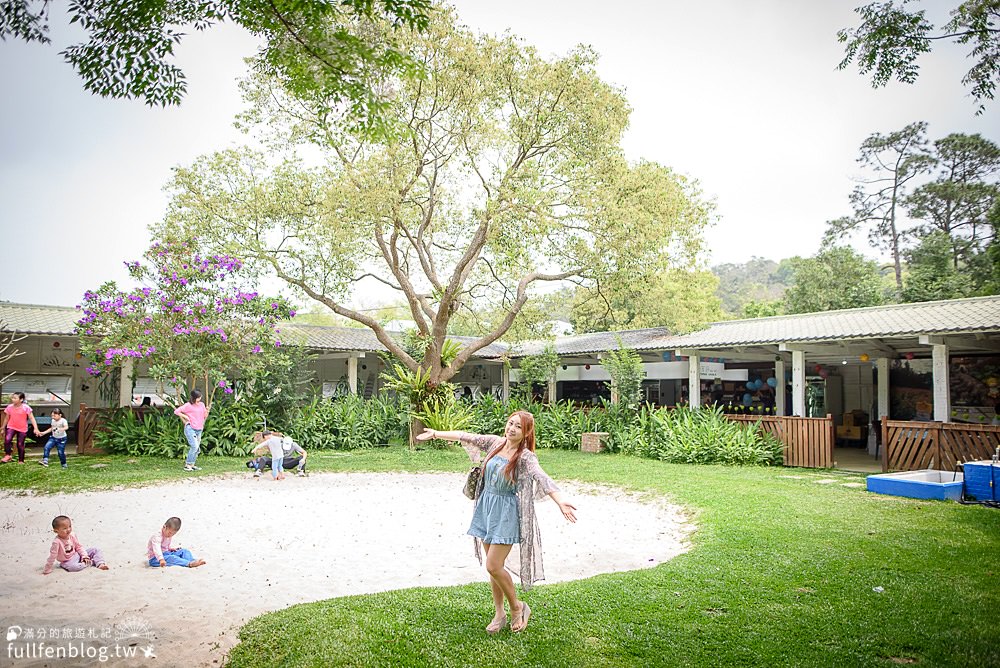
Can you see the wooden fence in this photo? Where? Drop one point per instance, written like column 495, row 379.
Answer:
column 92, row 420
column 911, row 446
column 808, row 441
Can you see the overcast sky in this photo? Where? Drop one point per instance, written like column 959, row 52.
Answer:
column 742, row 96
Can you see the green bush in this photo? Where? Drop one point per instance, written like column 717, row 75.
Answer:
column 682, row 435
column 349, row 422
column 159, row 432
column 699, row 436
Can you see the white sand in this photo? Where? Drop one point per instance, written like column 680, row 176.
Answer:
column 271, row 544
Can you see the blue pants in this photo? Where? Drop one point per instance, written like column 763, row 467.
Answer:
column 180, row 557
column 60, row 444
column 193, row 437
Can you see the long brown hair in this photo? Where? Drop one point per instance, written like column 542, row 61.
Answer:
column 527, row 443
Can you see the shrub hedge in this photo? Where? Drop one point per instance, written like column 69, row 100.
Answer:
column 679, row 435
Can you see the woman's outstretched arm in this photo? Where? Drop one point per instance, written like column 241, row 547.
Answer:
column 476, row 445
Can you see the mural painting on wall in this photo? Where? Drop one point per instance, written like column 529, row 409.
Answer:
column 975, row 389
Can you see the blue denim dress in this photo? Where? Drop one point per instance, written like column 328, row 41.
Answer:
column 495, row 520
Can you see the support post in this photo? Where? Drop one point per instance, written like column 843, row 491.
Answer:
column 942, row 385
column 798, row 383
column 882, row 388
column 352, row 374
column 125, row 384
column 505, row 383
column 694, row 381
column 779, row 390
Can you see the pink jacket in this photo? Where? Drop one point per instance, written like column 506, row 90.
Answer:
column 62, row 551
column 157, row 545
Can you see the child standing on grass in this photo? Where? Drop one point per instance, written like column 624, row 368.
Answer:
column 15, row 426
column 57, row 439
column 193, row 414
column 161, row 554
column 69, row 552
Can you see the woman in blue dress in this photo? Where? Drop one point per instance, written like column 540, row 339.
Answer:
column 504, row 515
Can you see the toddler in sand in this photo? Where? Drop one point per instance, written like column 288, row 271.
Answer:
column 160, row 553
column 69, row 552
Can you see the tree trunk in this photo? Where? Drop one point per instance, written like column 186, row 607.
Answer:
column 416, row 426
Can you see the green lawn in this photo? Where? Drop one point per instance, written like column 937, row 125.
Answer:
column 781, row 573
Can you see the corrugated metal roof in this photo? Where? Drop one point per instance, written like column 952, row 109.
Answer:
column 61, row 321
column 38, row 319
column 637, row 339
column 975, row 315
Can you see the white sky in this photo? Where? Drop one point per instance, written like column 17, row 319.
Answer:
column 742, row 96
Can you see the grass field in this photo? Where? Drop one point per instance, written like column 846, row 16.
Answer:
column 782, row 572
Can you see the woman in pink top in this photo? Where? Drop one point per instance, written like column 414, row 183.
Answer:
column 15, row 426
column 193, row 414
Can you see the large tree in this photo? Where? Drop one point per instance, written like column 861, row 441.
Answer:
column 680, row 299
column 321, row 48
column 932, row 274
column 957, row 201
column 892, row 37
column 510, row 173
column 891, row 162
column 835, row 278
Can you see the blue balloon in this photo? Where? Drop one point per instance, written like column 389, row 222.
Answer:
column 747, row 399
column 772, row 382
column 757, row 384
column 750, row 385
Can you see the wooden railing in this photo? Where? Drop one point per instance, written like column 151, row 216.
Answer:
column 808, row 441
column 92, row 420
column 911, row 446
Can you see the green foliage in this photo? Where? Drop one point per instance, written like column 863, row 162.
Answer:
column 415, row 387
column 762, row 309
column 700, row 436
column 891, row 162
column 505, row 150
column 490, row 414
column 537, row 369
column 835, row 278
column 932, row 274
column 319, row 49
column 559, row 425
column 627, row 372
column 348, row 423
column 891, row 38
column 446, row 414
column 345, row 424
column 278, row 386
column 159, row 433
column 681, row 299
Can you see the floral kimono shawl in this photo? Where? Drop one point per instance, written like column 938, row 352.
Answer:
column 531, row 483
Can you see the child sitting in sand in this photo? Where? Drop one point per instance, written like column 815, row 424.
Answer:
column 161, row 554
column 69, row 552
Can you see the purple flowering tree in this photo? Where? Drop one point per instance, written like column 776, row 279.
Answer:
column 190, row 322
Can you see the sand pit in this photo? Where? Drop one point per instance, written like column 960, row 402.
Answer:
column 270, row 545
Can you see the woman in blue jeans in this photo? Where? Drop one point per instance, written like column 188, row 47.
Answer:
column 193, row 414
